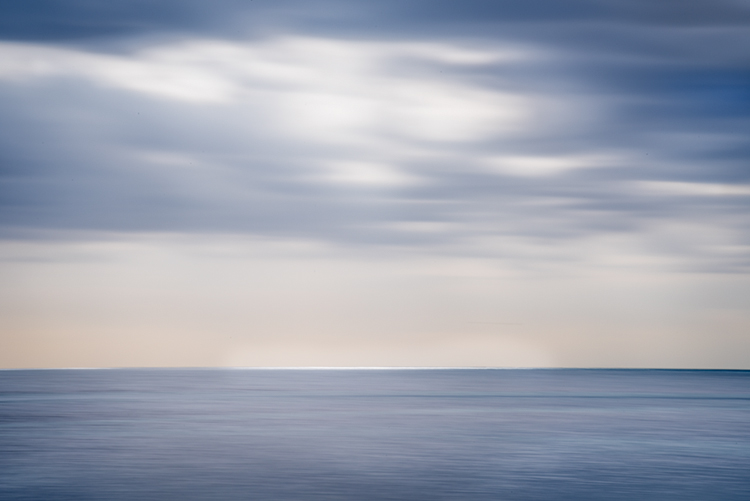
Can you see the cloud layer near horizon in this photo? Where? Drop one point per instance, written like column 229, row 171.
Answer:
column 562, row 136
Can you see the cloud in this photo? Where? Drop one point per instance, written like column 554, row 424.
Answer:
column 328, row 111
column 572, row 122
column 344, row 182
column 699, row 189
column 161, row 74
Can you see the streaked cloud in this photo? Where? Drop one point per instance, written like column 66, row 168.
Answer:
column 700, row 189
column 518, row 141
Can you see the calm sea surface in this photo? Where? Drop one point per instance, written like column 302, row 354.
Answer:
column 204, row 434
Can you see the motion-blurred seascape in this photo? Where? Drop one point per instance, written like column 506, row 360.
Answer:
column 359, row 434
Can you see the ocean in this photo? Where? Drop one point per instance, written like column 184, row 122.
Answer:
column 374, row 434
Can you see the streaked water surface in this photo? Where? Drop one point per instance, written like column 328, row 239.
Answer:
column 224, row 434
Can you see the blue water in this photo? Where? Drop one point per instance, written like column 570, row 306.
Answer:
column 366, row 435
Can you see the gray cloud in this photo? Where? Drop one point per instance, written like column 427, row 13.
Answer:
column 403, row 125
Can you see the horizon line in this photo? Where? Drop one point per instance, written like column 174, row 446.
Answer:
column 371, row 368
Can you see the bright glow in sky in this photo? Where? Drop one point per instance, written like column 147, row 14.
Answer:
column 329, row 184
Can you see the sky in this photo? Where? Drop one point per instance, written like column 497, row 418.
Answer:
column 506, row 183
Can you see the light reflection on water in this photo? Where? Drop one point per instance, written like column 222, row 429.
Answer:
column 203, row 434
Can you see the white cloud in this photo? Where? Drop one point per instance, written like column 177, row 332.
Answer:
column 540, row 166
column 366, row 174
column 334, row 83
column 694, row 189
column 375, row 105
column 166, row 77
column 425, row 227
